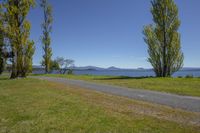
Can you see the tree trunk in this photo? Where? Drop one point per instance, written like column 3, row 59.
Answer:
column 14, row 70
column 164, row 48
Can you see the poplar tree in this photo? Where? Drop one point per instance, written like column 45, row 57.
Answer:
column 2, row 59
column 46, row 39
column 1, row 54
column 18, row 32
column 163, row 38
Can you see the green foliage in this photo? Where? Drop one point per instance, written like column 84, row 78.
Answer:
column 54, row 65
column 163, row 39
column 189, row 76
column 28, row 58
column 47, row 28
column 17, row 30
column 70, row 72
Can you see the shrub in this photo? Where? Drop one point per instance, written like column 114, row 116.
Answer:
column 70, row 72
column 189, row 76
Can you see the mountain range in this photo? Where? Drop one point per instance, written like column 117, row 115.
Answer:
column 116, row 68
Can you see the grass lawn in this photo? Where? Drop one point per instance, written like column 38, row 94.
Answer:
column 180, row 86
column 36, row 106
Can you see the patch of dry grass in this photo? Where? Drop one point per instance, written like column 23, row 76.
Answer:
column 133, row 107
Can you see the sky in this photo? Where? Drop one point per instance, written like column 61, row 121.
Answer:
column 108, row 33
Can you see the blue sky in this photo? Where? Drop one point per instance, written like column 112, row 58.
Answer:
column 109, row 32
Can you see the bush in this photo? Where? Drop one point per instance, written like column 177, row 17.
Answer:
column 70, row 72
column 189, row 76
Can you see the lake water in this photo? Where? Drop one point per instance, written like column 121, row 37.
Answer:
column 135, row 73
column 130, row 73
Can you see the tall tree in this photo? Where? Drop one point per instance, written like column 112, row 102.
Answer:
column 2, row 59
column 18, row 32
column 163, row 39
column 47, row 28
column 54, row 65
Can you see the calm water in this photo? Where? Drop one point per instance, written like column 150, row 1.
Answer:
column 134, row 73
column 131, row 73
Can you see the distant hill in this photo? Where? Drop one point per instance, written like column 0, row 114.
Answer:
column 190, row 69
column 115, row 68
column 88, row 68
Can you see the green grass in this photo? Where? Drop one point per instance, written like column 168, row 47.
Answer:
column 180, row 86
column 35, row 106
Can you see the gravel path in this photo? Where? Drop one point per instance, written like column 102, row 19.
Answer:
column 175, row 101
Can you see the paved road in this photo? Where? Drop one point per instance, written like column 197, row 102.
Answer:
column 175, row 101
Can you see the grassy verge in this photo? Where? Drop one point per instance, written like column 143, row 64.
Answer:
column 32, row 106
column 180, row 86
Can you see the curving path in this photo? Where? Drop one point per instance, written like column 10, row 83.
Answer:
column 175, row 101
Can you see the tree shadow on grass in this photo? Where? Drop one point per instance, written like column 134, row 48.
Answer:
column 122, row 77
column 4, row 78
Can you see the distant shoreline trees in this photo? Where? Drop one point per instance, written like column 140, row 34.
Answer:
column 47, row 28
column 163, row 39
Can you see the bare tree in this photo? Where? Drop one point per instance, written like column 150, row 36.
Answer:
column 64, row 64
